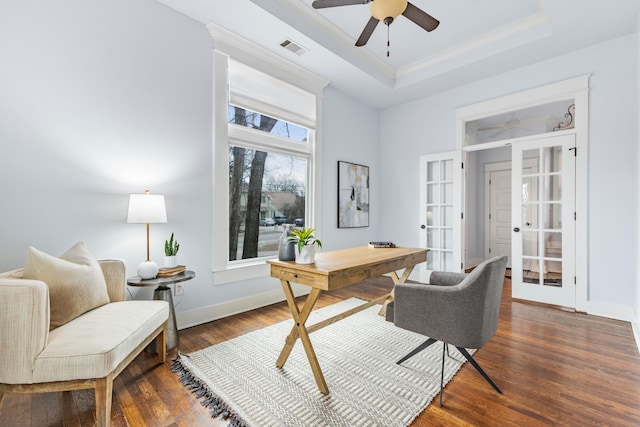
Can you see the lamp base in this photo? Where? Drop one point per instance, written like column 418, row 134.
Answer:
column 147, row 270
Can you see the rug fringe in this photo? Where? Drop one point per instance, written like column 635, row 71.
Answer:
column 217, row 407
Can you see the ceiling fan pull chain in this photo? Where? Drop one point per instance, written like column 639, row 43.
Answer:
column 387, row 41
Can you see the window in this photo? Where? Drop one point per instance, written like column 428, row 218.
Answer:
column 264, row 155
column 267, row 186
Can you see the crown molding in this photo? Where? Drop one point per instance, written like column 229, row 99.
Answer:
column 248, row 52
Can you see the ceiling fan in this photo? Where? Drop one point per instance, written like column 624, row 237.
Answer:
column 385, row 11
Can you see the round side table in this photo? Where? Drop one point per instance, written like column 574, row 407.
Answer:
column 163, row 292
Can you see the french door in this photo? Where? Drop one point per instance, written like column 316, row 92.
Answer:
column 440, row 212
column 543, row 220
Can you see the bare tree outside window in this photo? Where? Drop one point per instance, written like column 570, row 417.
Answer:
column 263, row 186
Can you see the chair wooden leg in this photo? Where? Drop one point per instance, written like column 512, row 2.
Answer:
column 471, row 360
column 416, row 350
column 104, row 393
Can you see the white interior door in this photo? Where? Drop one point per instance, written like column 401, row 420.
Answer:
column 499, row 190
column 543, row 235
column 441, row 212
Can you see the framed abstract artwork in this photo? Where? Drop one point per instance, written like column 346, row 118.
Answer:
column 353, row 195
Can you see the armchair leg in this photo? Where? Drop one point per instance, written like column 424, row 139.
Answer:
column 471, row 360
column 416, row 350
column 104, row 393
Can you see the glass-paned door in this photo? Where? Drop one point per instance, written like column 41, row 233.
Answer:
column 543, row 197
column 440, row 212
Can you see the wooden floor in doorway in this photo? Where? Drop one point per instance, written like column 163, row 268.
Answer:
column 554, row 367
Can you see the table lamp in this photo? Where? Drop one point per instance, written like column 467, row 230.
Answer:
column 147, row 209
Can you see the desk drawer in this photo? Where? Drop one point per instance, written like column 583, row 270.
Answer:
column 294, row 276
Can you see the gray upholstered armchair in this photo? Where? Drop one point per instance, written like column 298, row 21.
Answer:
column 455, row 308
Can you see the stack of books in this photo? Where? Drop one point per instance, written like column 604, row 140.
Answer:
column 382, row 245
column 168, row 272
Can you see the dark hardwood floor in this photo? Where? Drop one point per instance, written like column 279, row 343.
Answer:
column 554, row 367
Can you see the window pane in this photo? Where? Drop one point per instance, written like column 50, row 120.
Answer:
column 534, row 120
column 433, row 241
column 530, row 243
column 432, row 215
column 433, row 194
column 447, row 193
column 447, row 239
column 433, row 260
column 447, row 216
column 552, row 216
column 447, row 170
column 553, row 245
column 552, row 159
column 251, row 119
column 265, row 191
column 432, row 171
column 447, row 261
column 552, row 188
column 531, row 271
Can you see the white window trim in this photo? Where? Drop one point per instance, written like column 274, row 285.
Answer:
column 226, row 45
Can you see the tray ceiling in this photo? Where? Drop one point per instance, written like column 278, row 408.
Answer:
column 475, row 39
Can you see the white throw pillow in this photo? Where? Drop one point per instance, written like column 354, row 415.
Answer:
column 76, row 282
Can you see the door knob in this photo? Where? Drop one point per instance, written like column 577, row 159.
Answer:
column 516, row 229
column 423, row 226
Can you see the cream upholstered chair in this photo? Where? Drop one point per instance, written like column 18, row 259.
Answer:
column 455, row 308
column 87, row 352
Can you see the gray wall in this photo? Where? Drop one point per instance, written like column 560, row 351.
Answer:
column 101, row 99
column 613, row 141
column 105, row 98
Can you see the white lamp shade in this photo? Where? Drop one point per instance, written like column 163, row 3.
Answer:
column 146, row 209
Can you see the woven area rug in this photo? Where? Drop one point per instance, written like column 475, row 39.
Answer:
column 238, row 378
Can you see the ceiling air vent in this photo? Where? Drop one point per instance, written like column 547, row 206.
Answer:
column 293, row 47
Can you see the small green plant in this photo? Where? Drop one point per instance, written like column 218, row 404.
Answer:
column 304, row 236
column 171, row 246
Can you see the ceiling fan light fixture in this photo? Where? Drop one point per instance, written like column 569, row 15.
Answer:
column 383, row 9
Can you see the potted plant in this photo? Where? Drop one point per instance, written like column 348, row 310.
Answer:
column 306, row 244
column 170, row 251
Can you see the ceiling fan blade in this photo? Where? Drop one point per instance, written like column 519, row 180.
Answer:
column 321, row 4
column 420, row 17
column 366, row 33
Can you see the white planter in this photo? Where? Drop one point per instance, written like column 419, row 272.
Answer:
column 170, row 261
column 307, row 255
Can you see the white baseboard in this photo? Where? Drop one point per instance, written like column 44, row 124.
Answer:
column 187, row 319
column 636, row 333
column 611, row 311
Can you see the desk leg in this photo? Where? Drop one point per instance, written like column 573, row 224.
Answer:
column 299, row 330
column 394, row 276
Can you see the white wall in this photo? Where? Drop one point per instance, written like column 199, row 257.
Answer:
column 637, row 281
column 105, row 98
column 350, row 134
column 99, row 100
column 613, row 138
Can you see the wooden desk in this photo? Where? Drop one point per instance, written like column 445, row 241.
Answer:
column 334, row 270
